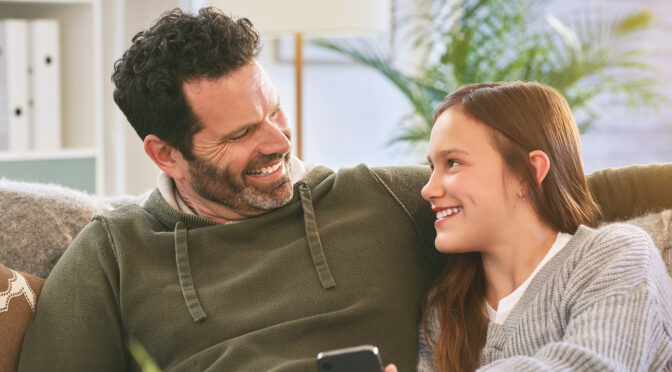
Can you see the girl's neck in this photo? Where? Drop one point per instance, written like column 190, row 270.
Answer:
column 508, row 264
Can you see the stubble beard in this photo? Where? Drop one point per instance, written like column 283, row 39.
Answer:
column 223, row 187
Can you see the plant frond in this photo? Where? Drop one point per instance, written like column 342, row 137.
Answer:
column 586, row 58
column 634, row 22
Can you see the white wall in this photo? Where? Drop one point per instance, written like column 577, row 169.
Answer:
column 631, row 136
column 128, row 169
column 350, row 111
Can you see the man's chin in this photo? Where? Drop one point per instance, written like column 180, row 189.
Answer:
column 270, row 196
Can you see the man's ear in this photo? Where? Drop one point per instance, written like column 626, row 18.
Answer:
column 166, row 157
column 541, row 164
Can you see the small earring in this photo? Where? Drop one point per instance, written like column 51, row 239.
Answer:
column 522, row 194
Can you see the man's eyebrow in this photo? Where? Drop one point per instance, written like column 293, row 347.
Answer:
column 228, row 134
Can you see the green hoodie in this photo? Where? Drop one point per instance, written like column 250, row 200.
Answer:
column 346, row 262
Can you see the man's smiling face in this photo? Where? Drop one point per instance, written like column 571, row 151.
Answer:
column 242, row 151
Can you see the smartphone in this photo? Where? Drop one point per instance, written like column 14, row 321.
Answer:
column 364, row 358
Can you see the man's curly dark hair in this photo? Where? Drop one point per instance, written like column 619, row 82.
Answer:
column 178, row 48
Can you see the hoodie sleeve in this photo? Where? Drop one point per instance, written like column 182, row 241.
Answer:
column 77, row 324
column 404, row 183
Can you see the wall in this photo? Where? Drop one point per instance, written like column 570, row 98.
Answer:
column 631, row 136
column 351, row 112
column 129, row 170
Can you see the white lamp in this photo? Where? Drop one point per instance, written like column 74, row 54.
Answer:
column 276, row 18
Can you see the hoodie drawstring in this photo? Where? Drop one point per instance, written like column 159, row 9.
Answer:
column 313, row 238
column 184, row 274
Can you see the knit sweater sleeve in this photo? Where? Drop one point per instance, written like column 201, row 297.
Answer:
column 425, row 356
column 617, row 319
column 77, row 323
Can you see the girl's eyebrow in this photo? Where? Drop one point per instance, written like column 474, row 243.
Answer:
column 447, row 153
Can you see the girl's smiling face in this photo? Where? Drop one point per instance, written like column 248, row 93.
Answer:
column 471, row 190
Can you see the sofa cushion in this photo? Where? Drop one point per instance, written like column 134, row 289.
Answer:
column 659, row 226
column 18, row 296
column 39, row 221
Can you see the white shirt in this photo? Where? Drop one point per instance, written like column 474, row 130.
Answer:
column 507, row 303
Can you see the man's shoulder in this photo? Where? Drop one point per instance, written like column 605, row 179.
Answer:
column 130, row 217
column 404, row 181
column 128, row 212
column 407, row 179
column 416, row 172
column 396, row 174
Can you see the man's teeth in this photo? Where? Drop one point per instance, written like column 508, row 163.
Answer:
column 266, row 170
column 448, row 212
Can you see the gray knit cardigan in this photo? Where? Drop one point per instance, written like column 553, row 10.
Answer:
column 603, row 303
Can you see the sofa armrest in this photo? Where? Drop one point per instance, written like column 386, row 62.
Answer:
column 18, row 297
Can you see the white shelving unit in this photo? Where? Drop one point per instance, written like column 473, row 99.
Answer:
column 80, row 163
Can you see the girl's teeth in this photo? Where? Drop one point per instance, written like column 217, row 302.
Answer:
column 448, row 212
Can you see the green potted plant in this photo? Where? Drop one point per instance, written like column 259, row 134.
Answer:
column 586, row 58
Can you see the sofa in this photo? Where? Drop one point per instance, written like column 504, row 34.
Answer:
column 38, row 222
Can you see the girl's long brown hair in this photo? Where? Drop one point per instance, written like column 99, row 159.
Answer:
column 523, row 117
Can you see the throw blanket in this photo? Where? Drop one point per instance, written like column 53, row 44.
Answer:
column 18, row 296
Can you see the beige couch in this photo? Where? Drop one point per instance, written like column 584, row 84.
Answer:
column 39, row 221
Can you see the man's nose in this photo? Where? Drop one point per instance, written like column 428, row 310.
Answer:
column 276, row 138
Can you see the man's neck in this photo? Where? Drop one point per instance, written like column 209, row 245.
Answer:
column 182, row 199
column 206, row 208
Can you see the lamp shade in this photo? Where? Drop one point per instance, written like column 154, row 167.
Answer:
column 311, row 17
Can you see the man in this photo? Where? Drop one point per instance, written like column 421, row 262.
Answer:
column 243, row 258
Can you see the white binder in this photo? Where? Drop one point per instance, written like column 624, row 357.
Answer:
column 4, row 104
column 14, row 110
column 45, row 84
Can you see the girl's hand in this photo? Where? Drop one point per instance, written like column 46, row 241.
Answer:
column 390, row 368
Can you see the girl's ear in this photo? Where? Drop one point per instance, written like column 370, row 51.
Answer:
column 166, row 157
column 541, row 164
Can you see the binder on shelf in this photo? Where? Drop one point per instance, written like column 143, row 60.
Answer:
column 14, row 111
column 45, row 84
column 4, row 104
